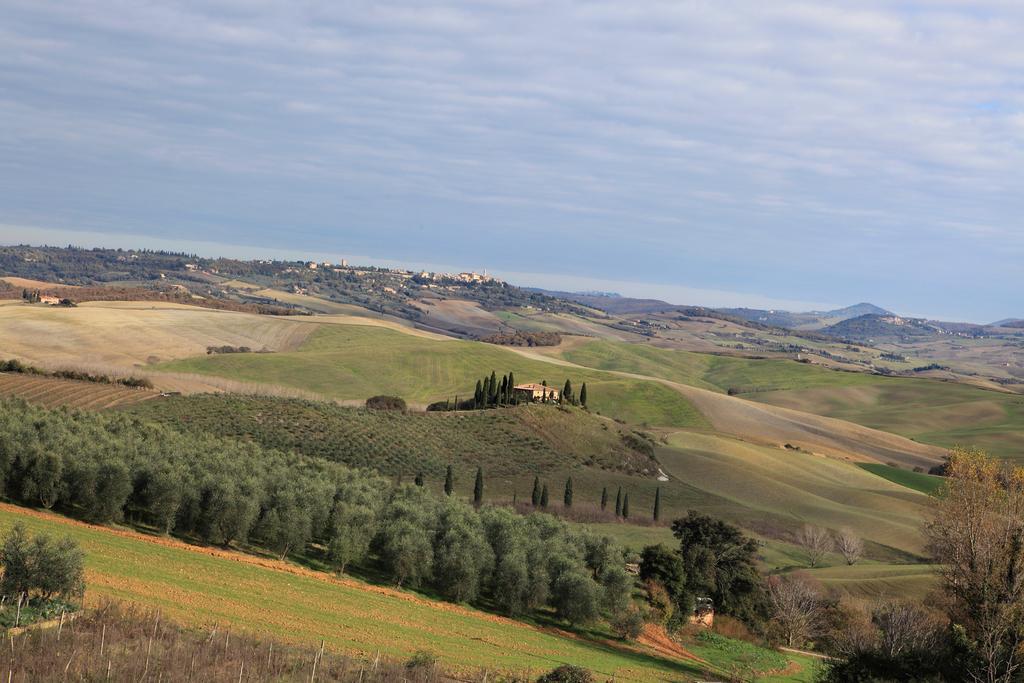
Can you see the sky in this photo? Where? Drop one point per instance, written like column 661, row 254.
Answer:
column 773, row 154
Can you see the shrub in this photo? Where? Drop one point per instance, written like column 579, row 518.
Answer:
column 386, row 403
column 421, row 660
column 567, row 673
column 629, row 623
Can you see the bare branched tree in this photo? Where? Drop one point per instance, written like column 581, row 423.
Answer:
column 976, row 538
column 850, row 546
column 815, row 541
column 796, row 608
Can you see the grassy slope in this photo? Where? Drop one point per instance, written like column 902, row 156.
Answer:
column 529, row 439
column 355, row 362
column 930, row 411
column 126, row 333
column 772, row 486
column 925, row 483
column 210, row 587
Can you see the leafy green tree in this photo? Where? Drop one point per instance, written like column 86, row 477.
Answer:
column 544, row 497
column 354, row 522
column 462, row 555
column 478, row 487
column 405, row 541
column 574, row 595
column 657, row 504
column 161, row 495
column 567, row 496
column 285, row 523
column 58, row 567
column 616, row 588
column 509, row 581
column 720, row 562
column 664, row 566
column 43, row 481
column 449, row 481
column 17, row 561
column 113, row 486
column 535, row 498
column 583, row 395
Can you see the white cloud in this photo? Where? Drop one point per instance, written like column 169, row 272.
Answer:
column 666, row 123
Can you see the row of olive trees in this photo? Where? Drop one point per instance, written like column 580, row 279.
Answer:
column 218, row 490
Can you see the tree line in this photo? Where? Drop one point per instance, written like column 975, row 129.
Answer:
column 490, row 392
column 106, row 468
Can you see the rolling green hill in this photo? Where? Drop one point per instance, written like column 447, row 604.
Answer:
column 925, row 483
column 927, row 410
column 524, row 440
column 355, row 362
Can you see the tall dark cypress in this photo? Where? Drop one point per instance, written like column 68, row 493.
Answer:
column 478, row 395
column 604, row 498
column 567, row 392
column 583, row 395
column 492, row 391
column 478, row 487
column 536, row 492
column 618, row 503
column 625, row 506
column 449, row 481
column 503, row 397
column 511, row 387
column 657, row 504
column 567, row 497
column 544, row 497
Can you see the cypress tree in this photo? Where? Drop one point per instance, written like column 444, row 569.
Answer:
column 492, row 391
column 419, row 479
column 511, row 387
column 504, row 389
column 567, row 392
column 625, row 506
column 544, row 497
column 604, row 498
column 478, row 487
column 449, row 481
column 567, row 498
column 583, row 395
column 536, row 492
column 478, row 395
column 657, row 504
column 618, row 503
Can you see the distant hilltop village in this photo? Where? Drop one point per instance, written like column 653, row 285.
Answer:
column 422, row 276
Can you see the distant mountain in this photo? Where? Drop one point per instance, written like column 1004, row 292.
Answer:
column 612, row 303
column 891, row 327
column 855, row 311
column 810, row 320
column 1015, row 323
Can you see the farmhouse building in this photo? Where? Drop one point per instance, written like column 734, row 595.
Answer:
column 49, row 300
column 535, row 392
